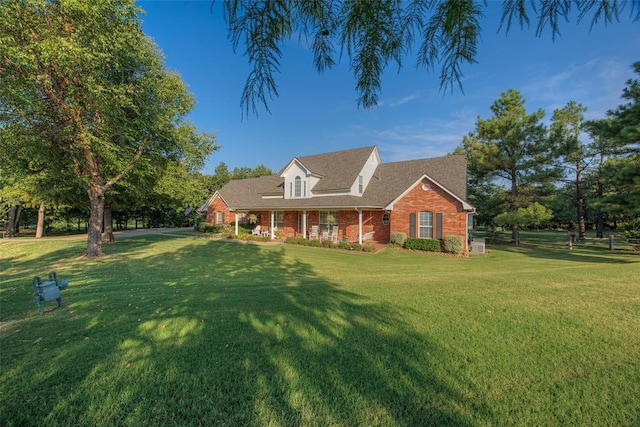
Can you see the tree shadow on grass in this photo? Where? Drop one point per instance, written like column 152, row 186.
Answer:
column 215, row 333
column 18, row 267
column 583, row 254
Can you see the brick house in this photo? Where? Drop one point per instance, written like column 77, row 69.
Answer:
column 355, row 191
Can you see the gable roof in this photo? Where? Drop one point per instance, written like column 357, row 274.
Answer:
column 392, row 179
column 389, row 181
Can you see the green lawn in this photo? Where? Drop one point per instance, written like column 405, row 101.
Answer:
column 181, row 331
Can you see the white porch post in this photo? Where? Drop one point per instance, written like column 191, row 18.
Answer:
column 236, row 223
column 360, row 226
column 272, row 221
column 304, row 224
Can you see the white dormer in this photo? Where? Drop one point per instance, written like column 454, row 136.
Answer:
column 359, row 186
column 345, row 173
column 298, row 181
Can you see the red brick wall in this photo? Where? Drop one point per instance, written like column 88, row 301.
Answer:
column 371, row 221
column 436, row 200
column 416, row 200
column 217, row 205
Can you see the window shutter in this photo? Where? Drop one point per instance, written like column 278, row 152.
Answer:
column 439, row 226
column 412, row 225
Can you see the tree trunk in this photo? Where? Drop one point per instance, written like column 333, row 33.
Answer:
column 40, row 221
column 599, row 215
column 10, row 228
column 16, row 223
column 96, row 215
column 582, row 232
column 515, row 234
column 108, row 225
column 515, row 231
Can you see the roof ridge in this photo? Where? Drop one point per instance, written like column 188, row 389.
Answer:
column 423, row 159
column 369, row 147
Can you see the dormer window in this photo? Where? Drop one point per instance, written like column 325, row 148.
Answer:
column 298, row 187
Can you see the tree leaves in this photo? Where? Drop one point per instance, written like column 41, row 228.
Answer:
column 374, row 34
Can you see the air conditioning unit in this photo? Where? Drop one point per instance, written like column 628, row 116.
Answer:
column 477, row 246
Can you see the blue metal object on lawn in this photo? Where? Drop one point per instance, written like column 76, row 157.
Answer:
column 48, row 290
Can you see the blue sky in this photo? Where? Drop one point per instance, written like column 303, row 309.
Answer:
column 318, row 113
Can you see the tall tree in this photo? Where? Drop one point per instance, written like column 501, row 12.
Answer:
column 567, row 125
column 88, row 93
column 375, row 34
column 619, row 134
column 512, row 146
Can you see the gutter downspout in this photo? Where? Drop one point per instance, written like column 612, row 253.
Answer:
column 236, row 223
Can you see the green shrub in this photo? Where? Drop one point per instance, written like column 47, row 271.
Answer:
column 631, row 229
column 344, row 245
column 429, row 245
column 199, row 223
column 315, row 243
column 296, row 241
column 398, row 238
column 328, row 244
column 356, row 247
column 453, row 244
column 368, row 247
column 303, row 242
column 210, row 228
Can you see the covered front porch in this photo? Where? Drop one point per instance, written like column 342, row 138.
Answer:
column 353, row 225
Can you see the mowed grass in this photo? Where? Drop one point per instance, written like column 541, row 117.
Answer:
column 178, row 331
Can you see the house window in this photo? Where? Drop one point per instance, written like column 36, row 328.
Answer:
column 385, row 219
column 219, row 218
column 425, row 225
column 304, row 194
column 328, row 219
column 298, row 187
column 360, row 184
column 278, row 219
column 290, row 189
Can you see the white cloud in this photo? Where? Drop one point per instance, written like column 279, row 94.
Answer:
column 429, row 138
column 404, row 100
column 596, row 84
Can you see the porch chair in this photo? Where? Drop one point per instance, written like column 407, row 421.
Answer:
column 368, row 236
column 333, row 235
column 314, row 233
column 256, row 231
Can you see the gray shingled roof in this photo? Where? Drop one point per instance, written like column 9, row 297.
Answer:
column 392, row 179
column 339, row 170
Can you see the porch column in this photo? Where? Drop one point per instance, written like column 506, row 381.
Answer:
column 272, row 221
column 360, row 226
column 236, row 223
column 304, row 224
